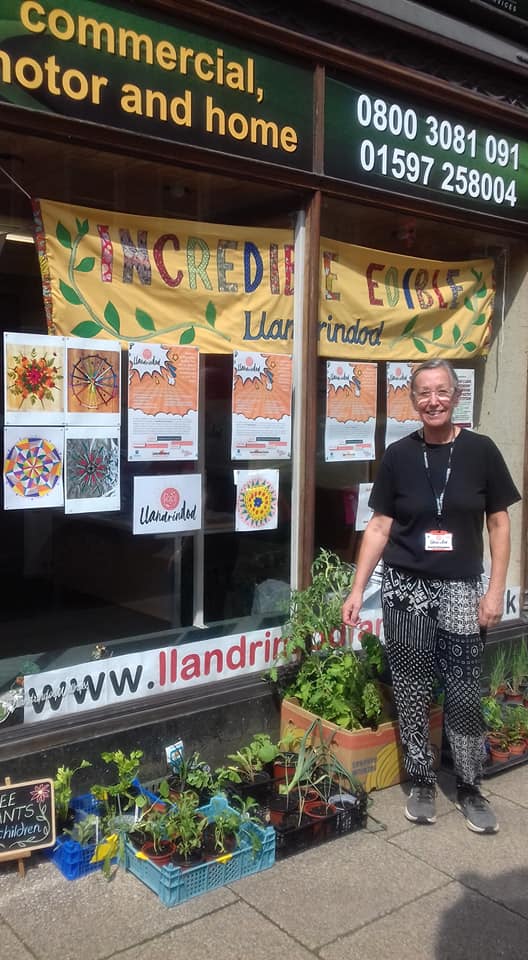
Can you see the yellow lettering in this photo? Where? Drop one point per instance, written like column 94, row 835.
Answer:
column 186, row 53
column 199, row 69
column 26, row 10
column 96, row 31
column 55, row 18
column 288, row 139
column 140, row 45
column 235, row 77
column 30, row 82
column 166, row 56
column 131, row 99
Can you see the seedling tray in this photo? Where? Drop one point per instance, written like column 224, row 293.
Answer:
column 174, row 885
column 309, row 833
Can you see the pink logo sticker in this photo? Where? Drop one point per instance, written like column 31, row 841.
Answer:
column 170, row 498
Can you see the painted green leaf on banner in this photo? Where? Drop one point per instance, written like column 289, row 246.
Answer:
column 470, row 347
column 482, row 291
column 187, row 336
column 420, row 345
column 480, row 320
column 210, row 313
column 409, row 326
column 63, row 236
column 82, row 227
column 437, row 333
column 86, row 329
column 468, row 304
column 456, row 334
column 86, row 264
column 112, row 317
column 69, row 294
column 144, row 320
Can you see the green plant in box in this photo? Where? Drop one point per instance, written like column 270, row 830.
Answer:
column 337, row 686
column 518, row 668
column 251, row 759
column 185, row 825
column 499, row 671
column 492, row 713
column 63, row 791
column 120, row 795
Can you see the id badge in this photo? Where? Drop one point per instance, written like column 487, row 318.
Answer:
column 438, row 540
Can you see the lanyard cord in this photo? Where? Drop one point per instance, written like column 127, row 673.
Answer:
column 439, row 497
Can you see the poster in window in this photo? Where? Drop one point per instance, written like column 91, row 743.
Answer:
column 463, row 414
column 33, row 467
column 351, row 402
column 167, row 504
column 261, row 414
column 162, row 402
column 34, row 378
column 93, row 383
column 92, row 469
column 402, row 418
column 257, row 499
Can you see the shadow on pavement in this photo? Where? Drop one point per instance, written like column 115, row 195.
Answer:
column 489, row 920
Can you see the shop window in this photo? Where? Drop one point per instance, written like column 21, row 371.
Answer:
column 80, row 587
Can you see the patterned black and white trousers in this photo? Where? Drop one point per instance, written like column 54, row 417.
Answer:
column 432, row 629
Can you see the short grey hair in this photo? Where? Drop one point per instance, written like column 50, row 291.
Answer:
column 435, row 364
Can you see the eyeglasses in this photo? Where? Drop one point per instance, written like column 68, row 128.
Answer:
column 443, row 395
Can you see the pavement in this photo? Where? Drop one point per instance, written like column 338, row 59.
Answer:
column 392, row 891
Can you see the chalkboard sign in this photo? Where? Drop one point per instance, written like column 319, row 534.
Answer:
column 27, row 817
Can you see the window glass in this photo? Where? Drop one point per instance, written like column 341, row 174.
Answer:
column 81, row 586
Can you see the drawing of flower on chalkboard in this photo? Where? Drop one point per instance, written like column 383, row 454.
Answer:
column 40, row 793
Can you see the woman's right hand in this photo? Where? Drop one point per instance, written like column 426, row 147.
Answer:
column 352, row 607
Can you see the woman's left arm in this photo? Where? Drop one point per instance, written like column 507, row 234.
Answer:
column 492, row 603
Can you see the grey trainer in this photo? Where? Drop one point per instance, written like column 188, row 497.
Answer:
column 420, row 806
column 477, row 811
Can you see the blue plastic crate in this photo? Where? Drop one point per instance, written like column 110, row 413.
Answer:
column 85, row 804
column 175, row 885
column 72, row 859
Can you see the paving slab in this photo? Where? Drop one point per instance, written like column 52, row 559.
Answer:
column 496, row 865
column 12, row 948
column 237, row 932
column 337, row 887
column 452, row 923
column 99, row 916
column 512, row 784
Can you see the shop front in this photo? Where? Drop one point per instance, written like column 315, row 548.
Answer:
column 223, row 246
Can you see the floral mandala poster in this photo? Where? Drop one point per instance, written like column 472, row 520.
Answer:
column 34, row 381
column 257, row 499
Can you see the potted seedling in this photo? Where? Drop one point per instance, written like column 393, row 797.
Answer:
column 499, row 672
column 518, row 673
column 63, row 793
column 185, row 827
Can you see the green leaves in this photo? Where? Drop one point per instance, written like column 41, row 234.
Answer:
column 409, row 326
column 69, row 294
column 210, row 313
column 480, row 320
column 86, row 264
column 88, row 328
column 187, row 336
column 469, row 346
column 63, row 236
column 456, row 334
column 419, row 344
column 437, row 332
column 112, row 317
column 145, row 320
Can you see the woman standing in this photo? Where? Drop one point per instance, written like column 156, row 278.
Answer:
column 430, row 497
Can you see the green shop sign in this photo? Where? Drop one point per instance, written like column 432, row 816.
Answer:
column 111, row 65
column 374, row 138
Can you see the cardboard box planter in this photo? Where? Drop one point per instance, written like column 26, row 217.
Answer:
column 375, row 757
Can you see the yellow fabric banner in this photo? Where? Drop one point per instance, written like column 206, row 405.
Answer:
column 225, row 288
column 388, row 306
column 221, row 288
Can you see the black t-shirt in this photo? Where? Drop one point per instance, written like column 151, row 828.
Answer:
column 479, row 484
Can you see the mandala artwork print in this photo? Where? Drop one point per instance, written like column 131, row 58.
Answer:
column 33, row 469
column 257, row 504
column 92, row 467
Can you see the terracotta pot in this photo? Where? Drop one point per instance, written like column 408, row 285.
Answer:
column 165, row 854
column 284, row 770
column 513, row 698
column 498, row 755
column 517, row 747
column 282, row 808
column 318, row 809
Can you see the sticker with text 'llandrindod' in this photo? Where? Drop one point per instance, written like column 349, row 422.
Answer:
column 167, row 504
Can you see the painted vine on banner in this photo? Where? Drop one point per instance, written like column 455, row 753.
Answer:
column 224, row 288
